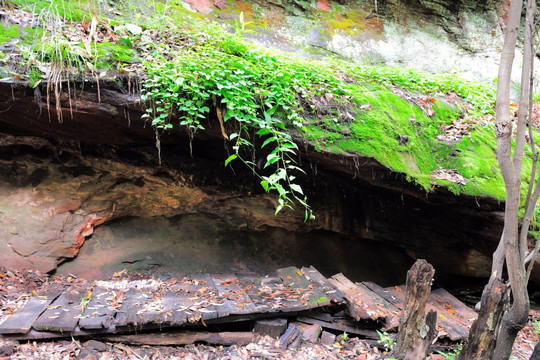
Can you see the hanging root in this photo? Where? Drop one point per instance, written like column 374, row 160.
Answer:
column 158, row 146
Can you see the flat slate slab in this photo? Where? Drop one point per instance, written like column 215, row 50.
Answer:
column 21, row 321
column 234, row 293
column 269, row 294
column 62, row 314
column 316, row 277
column 130, row 306
column 365, row 304
column 200, row 298
column 98, row 312
column 309, row 294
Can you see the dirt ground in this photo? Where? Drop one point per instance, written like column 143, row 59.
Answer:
column 17, row 287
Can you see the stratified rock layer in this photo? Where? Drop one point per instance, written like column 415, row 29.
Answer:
column 59, row 182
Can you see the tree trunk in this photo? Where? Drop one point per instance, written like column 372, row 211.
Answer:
column 511, row 167
column 516, row 318
column 416, row 334
column 483, row 334
column 536, row 352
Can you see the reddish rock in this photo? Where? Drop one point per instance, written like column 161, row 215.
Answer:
column 436, row 357
column 324, row 5
column 310, row 332
column 327, row 338
column 220, row 4
column 202, row 6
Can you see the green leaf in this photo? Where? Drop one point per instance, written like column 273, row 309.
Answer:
column 265, row 184
column 271, row 159
column 268, row 141
column 264, row 131
column 290, row 145
column 230, row 158
column 297, row 188
column 281, row 190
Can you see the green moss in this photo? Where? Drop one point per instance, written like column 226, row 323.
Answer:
column 110, row 53
column 263, row 88
column 72, row 10
column 8, row 33
column 386, row 118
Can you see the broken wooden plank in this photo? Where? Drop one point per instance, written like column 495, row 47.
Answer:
column 451, row 307
column 340, row 324
column 98, row 313
column 127, row 315
column 269, row 294
column 62, row 314
column 172, row 302
column 307, row 292
column 236, row 299
column 46, row 335
column 291, row 338
column 182, row 338
column 199, row 297
column 316, row 277
column 364, row 304
column 384, row 293
column 21, row 321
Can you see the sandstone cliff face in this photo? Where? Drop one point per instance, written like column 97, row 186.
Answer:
column 80, row 183
column 61, row 182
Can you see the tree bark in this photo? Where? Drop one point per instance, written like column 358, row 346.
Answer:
column 536, row 352
column 483, row 334
column 516, row 318
column 416, row 334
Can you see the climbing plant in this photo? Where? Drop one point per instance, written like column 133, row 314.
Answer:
column 258, row 92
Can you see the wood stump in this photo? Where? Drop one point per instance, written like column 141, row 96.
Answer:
column 416, row 333
column 483, row 334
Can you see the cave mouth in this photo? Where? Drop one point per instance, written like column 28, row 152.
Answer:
column 201, row 243
column 196, row 216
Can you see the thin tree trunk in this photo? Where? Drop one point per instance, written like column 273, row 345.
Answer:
column 516, row 317
column 511, row 166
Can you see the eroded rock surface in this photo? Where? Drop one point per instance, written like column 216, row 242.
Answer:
column 64, row 185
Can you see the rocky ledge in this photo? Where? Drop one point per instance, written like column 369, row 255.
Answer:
column 59, row 182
